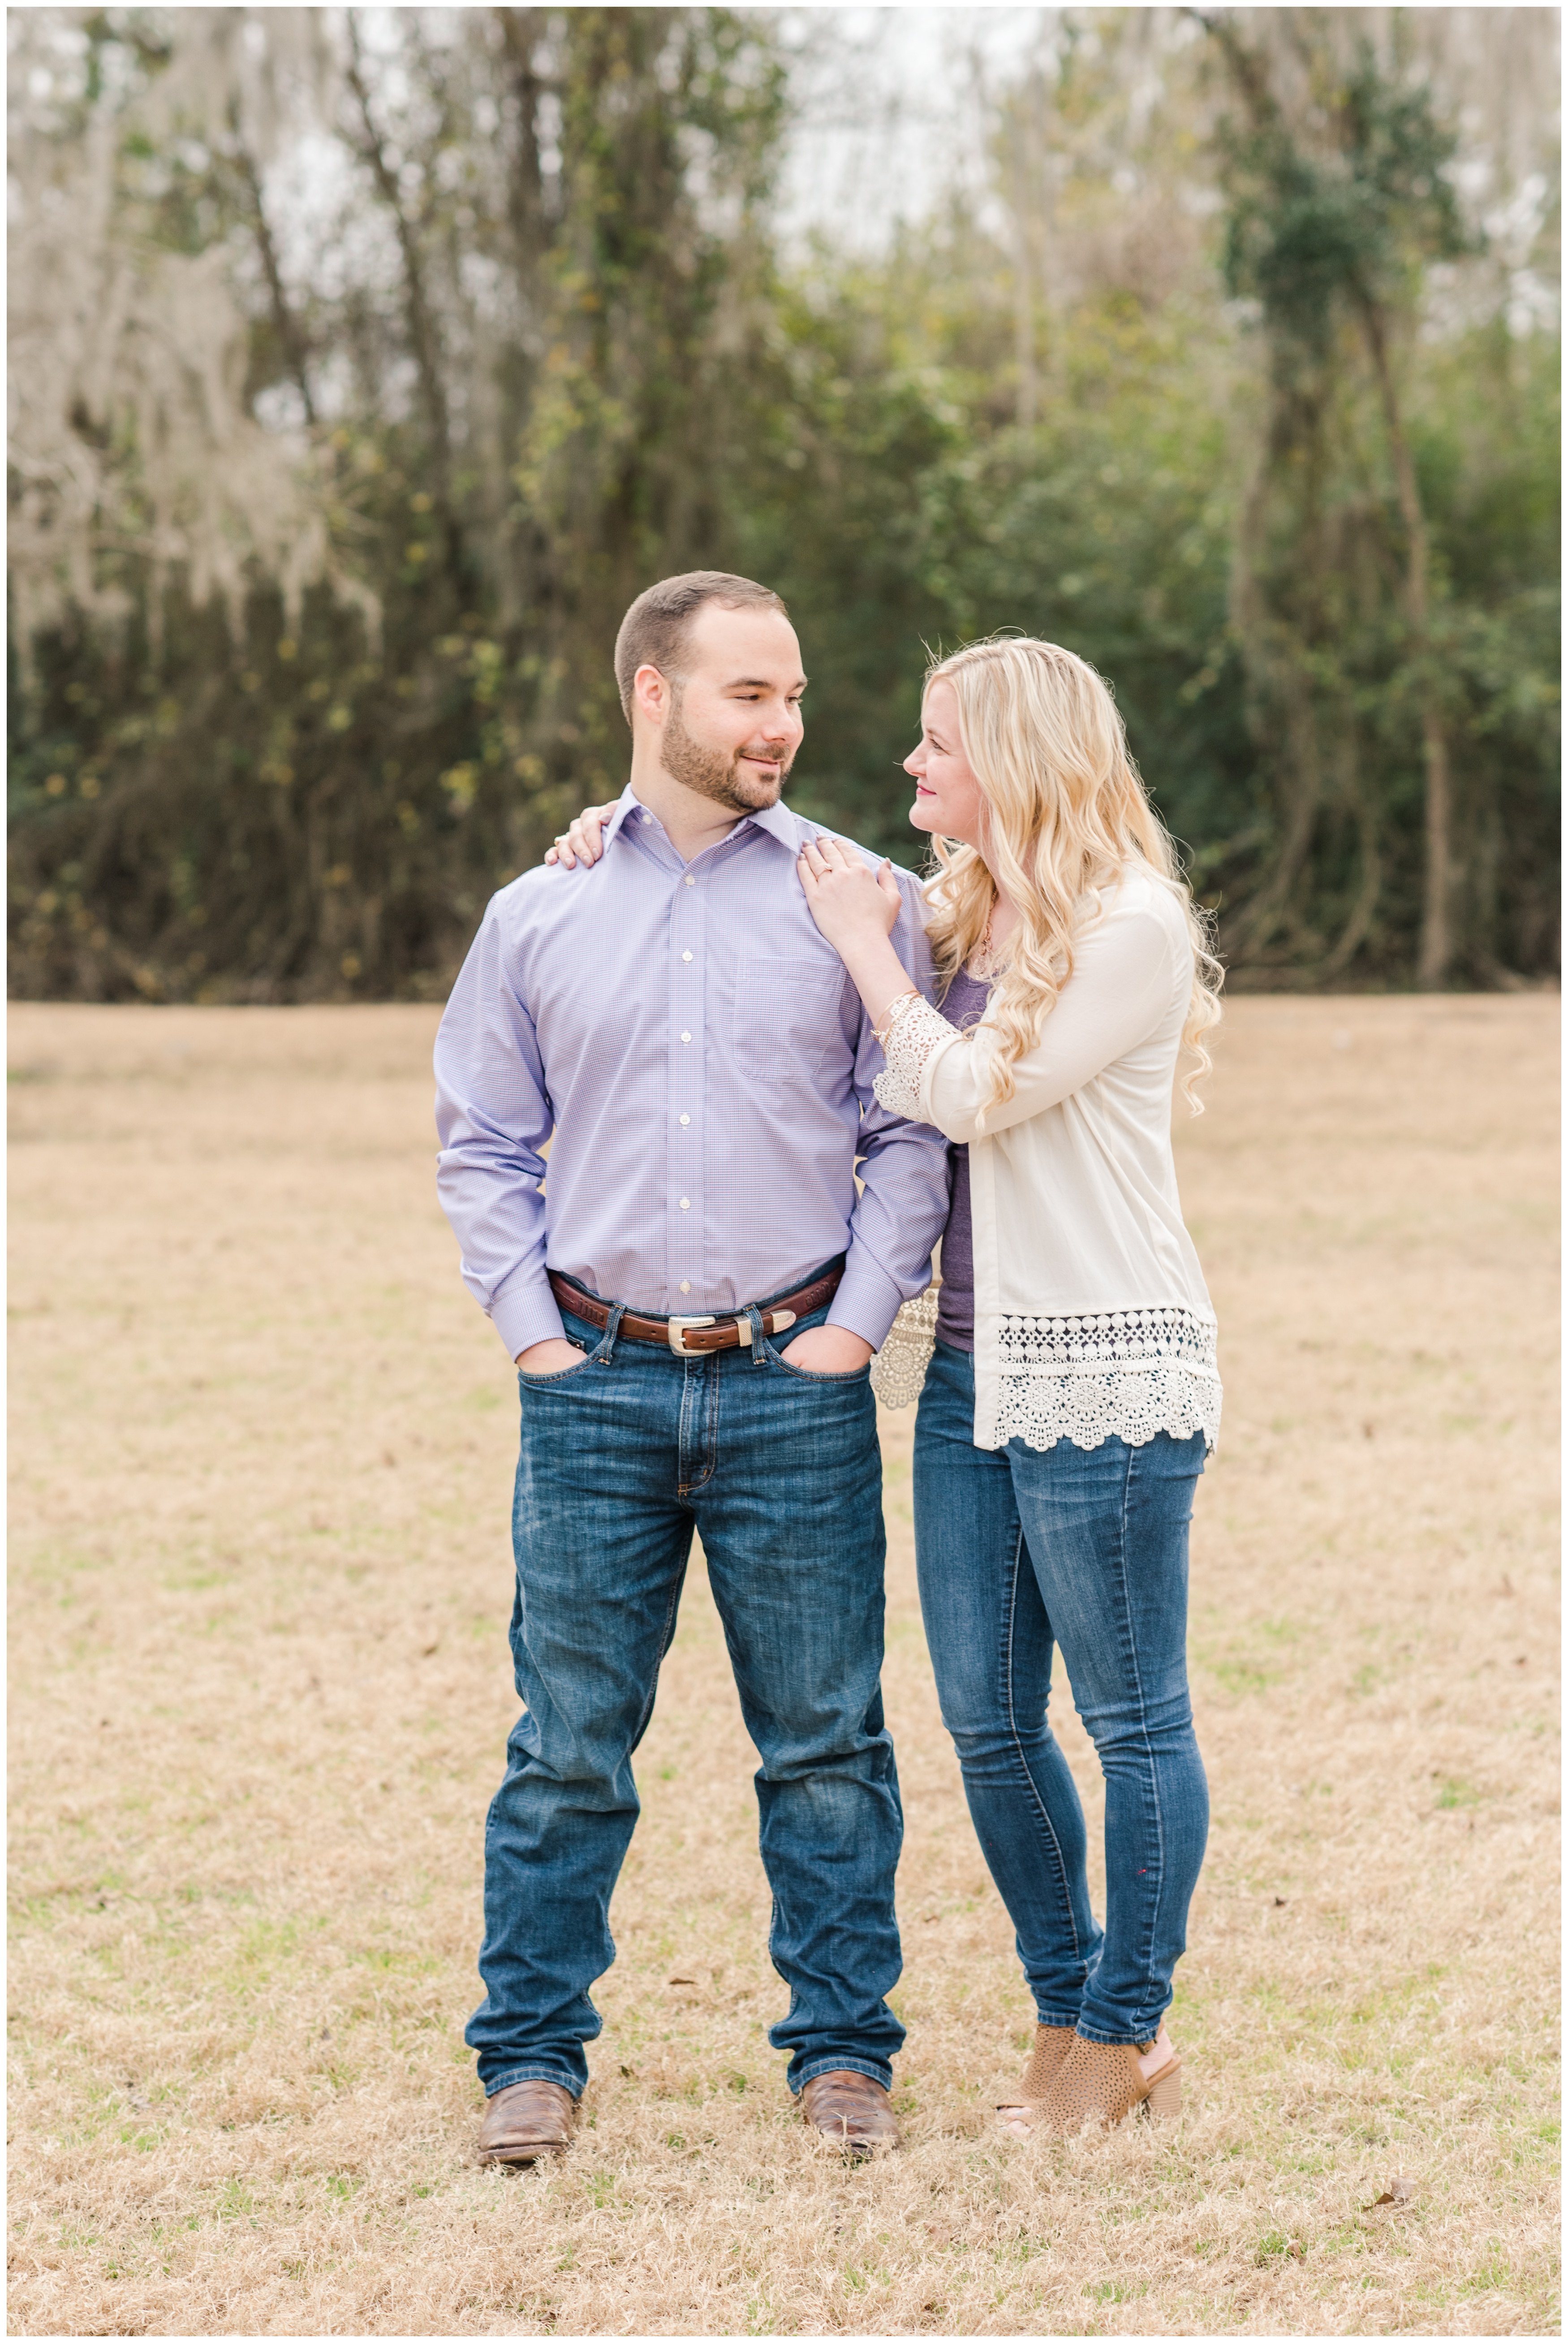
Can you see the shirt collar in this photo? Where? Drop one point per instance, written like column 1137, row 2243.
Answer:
column 778, row 823
column 776, row 819
column 625, row 806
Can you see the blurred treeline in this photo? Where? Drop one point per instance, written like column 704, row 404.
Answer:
column 366, row 363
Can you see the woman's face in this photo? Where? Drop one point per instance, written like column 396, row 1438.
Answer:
column 947, row 798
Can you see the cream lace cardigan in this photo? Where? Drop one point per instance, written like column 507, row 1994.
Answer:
column 1092, row 1317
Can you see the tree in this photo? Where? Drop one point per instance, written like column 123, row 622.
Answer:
column 1339, row 201
column 322, row 526
column 133, row 452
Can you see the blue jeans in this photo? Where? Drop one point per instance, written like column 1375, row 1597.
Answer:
column 621, row 1458
column 1020, row 1550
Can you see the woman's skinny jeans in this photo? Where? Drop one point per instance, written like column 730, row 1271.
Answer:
column 1021, row 1549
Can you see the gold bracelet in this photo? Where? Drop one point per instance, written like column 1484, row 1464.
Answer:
column 896, row 1008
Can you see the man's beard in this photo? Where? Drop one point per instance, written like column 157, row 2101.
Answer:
column 710, row 773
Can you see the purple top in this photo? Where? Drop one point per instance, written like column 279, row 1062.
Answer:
column 701, row 1066
column 964, row 1006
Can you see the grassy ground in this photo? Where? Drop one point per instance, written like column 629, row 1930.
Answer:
column 262, row 1447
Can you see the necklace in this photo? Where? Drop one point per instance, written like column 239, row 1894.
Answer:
column 983, row 959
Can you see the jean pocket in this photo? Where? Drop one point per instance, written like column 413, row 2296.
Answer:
column 806, row 1375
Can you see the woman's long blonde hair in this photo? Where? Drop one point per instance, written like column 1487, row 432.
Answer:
column 1067, row 815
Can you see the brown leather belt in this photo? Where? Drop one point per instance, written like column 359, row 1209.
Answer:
column 688, row 1336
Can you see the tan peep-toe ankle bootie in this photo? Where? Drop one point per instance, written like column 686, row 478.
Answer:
column 1103, row 2081
column 1051, row 2045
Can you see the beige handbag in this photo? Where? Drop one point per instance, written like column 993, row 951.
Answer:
column 899, row 1369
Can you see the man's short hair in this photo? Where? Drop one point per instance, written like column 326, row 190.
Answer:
column 654, row 631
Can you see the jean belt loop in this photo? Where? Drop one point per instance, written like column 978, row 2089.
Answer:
column 754, row 1319
column 617, row 1312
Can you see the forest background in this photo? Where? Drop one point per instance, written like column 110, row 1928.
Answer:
column 365, row 362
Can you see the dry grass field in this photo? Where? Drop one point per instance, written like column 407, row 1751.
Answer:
column 262, row 1447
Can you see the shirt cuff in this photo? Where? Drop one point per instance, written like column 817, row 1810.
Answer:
column 867, row 1302
column 523, row 1312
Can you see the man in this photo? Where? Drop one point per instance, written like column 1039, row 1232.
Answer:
column 692, row 1312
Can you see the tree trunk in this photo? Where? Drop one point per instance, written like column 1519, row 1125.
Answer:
column 1436, row 919
column 1358, row 927
column 1436, row 954
column 521, row 563
column 291, row 341
column 1277, row 630
column 1027, row 408
column 423, row 337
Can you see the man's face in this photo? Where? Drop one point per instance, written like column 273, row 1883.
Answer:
column 733, row 722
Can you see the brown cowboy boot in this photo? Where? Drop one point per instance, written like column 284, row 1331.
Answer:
column 851, row 2112
column 525, row 2121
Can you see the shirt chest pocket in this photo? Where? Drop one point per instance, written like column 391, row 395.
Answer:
column 786, row 1018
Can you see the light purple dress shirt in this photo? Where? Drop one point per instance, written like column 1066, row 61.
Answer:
column 698, row 1058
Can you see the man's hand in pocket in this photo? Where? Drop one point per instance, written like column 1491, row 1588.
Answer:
column 551, row 1358
column 827, row 1350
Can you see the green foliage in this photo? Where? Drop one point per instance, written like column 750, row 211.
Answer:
column 922, row 522
column 1355, row 220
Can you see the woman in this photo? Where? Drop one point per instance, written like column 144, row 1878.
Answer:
column 1072, row 1391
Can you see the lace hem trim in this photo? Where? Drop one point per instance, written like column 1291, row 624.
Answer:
column 914, row 1036
column 1118, row 1374
column 1162, row 1334
column 1089, row 1408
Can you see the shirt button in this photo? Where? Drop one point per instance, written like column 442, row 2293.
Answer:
column 686, row 1036
column 690, row 881
column 684, row 1120
column 686, row 1285
column 686, row 1203
column 685, row 955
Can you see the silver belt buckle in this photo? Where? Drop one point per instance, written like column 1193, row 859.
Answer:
column 676, row 1332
